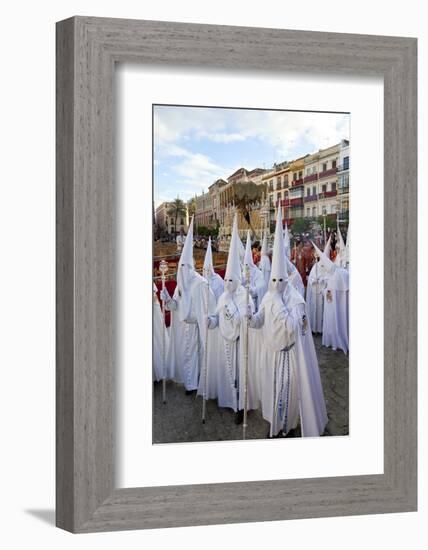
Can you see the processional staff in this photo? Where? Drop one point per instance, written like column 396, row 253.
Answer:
column 316, row 293
column 247, row 298
column 205, row 371
column 163, row 267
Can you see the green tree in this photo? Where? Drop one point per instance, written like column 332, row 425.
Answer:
column 203, row 231
column 330, row 222
column 301, row 225
column 176, row 208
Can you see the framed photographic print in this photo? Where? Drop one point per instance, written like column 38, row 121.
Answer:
column 236, row 298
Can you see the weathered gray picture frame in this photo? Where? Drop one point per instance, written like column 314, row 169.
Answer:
column 87, row 50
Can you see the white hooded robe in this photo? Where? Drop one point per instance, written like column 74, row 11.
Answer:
column 315, row 296
column 158, row 328
column 226, row 380
column 278, row 385
column 336, row 310
column 313, row 412
column 188, row 331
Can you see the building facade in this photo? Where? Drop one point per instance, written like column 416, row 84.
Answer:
column 343, row 180
column 310, row 186
column 327, row 180
column 166, row 223
column 321, row 182
column 204, row 213
column 215, row 190
column 277, row 188
column 294, row 206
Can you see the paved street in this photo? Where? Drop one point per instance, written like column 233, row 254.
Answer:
column 180, row 419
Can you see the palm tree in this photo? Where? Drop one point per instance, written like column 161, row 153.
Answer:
column 176, row 208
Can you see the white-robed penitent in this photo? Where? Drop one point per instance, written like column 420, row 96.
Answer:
column 315, row 296
column 160, row 338
column 264, row 263
column 290, row 379
column 340, row 259
column 214, row 280
column 315, row 289
column 313, row 412
column 336, row 305
column 346, row 258
column 226, row 377
column 258, row 286
column 294, row 277
column 191, row 302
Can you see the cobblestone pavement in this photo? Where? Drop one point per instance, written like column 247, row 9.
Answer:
column 179, row 420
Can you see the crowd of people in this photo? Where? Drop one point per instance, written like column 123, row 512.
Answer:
column 246, row 340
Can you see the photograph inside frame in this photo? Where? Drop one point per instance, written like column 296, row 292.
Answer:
column 251, row 267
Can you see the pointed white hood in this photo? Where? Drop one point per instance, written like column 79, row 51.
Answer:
column 264, row 244
column 208, row 261
column 185, row 274
column 248, row 257
column 347, row 249
column 187, row 252
column 340, row 258
column 264, row 264
column 279, row 267
column 233, row 268
column 340, row 240
column 327, row 264
column 287, row 243
column 241, row 247
column 327, row 248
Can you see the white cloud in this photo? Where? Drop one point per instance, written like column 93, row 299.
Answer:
column 193, row 173
column 283, row 130
column 221, row 137
column 291, row 134
column 197, row 171
column 179, row 132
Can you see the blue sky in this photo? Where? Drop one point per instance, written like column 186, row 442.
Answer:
column 194, row 146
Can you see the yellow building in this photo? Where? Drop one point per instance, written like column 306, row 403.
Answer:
column 294, row 205
column 277, row 183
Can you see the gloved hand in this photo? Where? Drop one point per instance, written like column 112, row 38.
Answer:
column 253, row 292
column 164, row 294
column 212, row 321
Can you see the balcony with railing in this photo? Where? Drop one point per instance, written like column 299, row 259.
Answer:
column 343, row 190
column 312, row 177
column 296, row 202
column 296, row 183
column 343, row 167
column 284, row 202
column 310, row 198
column 327, row 173
column 327, row 194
